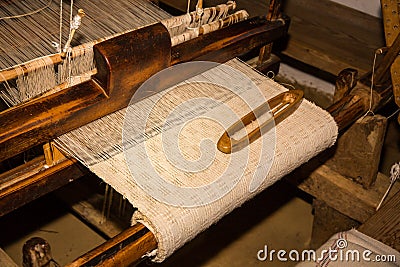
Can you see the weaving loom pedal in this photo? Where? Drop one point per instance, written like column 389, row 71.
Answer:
column 278, row 108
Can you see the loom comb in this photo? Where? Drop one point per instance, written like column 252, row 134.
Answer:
column 280, row 107
column 123, row 64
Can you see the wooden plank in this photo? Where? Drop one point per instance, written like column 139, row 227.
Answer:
column 123, row 250
column 229, row 42
column 32, row 187
column 341, row 34
column 5, row 260
column 339, row 192
column 384, row 225
column 301, row 51
column 22, row 172
column 390, row 14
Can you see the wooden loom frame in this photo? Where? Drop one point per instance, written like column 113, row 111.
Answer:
column 34, row 179
column 137, row 240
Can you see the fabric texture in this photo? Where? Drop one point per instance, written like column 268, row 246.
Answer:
column 353, row 248
column 100, row 146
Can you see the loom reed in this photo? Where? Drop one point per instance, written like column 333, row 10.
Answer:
column 37, row 54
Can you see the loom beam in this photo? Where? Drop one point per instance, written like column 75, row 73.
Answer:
column 123, row 64
column 124, row 249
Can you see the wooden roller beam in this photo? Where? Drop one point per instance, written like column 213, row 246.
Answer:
column 126, row 248
column 33, row 180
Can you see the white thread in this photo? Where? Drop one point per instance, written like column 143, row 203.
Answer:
column 76, row 22
column 27, row 53
column 394, row 113
column 7, row 98
column 371, row 88
column 61, row 24
column 394, row 176
column 395, row 172
column 71, row 10
column 188, row 7
column 29, row 13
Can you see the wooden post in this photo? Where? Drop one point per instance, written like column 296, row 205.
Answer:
column 358, row 150
column 273, row 14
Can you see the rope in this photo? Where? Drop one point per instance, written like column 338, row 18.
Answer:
column 61, row 24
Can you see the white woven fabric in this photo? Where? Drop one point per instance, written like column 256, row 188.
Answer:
column 308, row 131
column 353, row 249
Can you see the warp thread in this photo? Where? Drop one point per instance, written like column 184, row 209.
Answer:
column 80, row 59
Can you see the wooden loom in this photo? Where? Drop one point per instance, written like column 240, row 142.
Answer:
column 109, row 90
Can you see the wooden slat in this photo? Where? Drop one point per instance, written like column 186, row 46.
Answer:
column 123, row 250
column 41, row 182
column 339, row 192
column 229, row 42
column 324, row 32
column 5, row 260
column 391, row 18
column 22, row 172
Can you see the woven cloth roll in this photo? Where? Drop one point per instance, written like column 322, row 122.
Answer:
column 133, row 163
